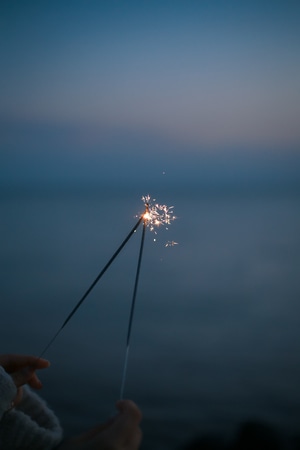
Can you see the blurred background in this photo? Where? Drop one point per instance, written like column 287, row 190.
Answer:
column 196, row 103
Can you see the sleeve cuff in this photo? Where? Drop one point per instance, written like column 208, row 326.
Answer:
column 31, row 425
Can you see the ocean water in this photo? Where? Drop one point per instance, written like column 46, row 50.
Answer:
column 216, row 331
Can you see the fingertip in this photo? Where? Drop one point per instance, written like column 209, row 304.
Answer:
column 42, row 363
column 130, row 408
column 45, row 361
column 122, row 404
column 35, row 382
column 119, row 404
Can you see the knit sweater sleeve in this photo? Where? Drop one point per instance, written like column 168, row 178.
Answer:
column 29, row 426
column 8, row 391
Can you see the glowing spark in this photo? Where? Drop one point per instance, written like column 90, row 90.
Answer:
column 147, row 216
column 171, row 244
column 157, row 215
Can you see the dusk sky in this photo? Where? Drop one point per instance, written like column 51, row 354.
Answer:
column 85, row 84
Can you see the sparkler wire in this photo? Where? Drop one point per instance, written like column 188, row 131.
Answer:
column 93, row 284
column 132, row 309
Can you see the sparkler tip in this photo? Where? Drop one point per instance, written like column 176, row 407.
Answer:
column 157, row 215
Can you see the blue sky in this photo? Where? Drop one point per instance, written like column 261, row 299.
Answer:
column 85, row 84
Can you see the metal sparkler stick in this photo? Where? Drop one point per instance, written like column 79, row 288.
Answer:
column 93, row 284
column 133, row 306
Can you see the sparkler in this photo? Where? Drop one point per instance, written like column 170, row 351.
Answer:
column 133, row 305
column 155, row 215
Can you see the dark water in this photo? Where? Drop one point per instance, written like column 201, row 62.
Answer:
column 216, row 335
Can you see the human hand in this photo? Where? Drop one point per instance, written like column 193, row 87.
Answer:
column 22, row 370
column 122, row 432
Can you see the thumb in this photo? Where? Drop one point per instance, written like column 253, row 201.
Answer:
column 125, row 426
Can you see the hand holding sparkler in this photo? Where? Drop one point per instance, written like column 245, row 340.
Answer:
column 26, row 420
column 22, row 369
column 120, row 432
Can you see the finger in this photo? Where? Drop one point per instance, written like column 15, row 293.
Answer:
column 18, row 398
column 93, row 432
column 120, row 431
column 40, row 363
column 22, row 377
column 12, row 363
column 125, row 407
column 35, row 382
column 125, row 427
column 130, row 409
column 26, row 376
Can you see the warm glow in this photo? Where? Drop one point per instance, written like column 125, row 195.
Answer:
column 157, row 215
column 147, row 216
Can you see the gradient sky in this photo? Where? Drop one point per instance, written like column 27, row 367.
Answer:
column 108, row 78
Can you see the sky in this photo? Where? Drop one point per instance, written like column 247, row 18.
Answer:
column 105, row 89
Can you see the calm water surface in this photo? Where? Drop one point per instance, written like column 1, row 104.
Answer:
column 216, row 333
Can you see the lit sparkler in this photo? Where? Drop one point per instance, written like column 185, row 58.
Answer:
column 155, row 215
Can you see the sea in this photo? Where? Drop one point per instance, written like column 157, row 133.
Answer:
column 215, row 339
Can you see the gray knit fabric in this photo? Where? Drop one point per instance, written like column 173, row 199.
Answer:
column 29, row 426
